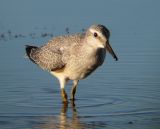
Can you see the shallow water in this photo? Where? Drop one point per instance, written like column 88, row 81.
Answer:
column 123, row 94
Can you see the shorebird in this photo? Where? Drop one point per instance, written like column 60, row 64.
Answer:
column 73, row 57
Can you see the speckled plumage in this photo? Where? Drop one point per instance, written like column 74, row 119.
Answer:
column 54, row 54
column 73, row 57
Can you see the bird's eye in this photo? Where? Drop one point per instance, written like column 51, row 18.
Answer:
column 95, row 34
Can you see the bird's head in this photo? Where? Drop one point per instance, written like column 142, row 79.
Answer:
column 97, row 36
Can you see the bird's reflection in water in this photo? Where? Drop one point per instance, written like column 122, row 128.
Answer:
column 73, row 122
column 65, row 122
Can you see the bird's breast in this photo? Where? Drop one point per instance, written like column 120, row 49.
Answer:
column 100, row 55
column 81, row 65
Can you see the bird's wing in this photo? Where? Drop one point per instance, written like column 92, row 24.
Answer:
column 66, row 44
column 55, row 54
column 47, row 58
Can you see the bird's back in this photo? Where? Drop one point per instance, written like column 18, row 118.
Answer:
column 54, row 54
column 64, row 41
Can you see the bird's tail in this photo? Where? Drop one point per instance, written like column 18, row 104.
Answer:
column 30, row 51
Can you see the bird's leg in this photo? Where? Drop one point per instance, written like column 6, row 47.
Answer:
column 64, row 96
column 73, row 90
column 63, row 93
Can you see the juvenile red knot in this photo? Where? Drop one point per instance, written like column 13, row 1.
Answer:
column 73, row 57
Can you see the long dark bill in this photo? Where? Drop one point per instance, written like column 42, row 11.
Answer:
column 109, row 48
